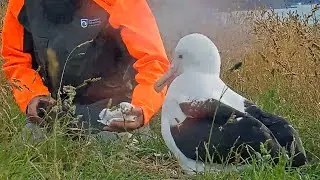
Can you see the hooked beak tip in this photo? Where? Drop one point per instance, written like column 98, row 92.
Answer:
column 166, row 79
column 157, row 87
column 160, row 84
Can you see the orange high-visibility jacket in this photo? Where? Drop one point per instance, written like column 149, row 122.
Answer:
column 139, row 32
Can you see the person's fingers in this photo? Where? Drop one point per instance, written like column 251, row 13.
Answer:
column 38, row 104
column 116, row 128
column 32, row 115
column 122, row 126
column 32, row 110
column 47, row 100
column 112, row 129
column 137, row 111
column 125, row 125
column 52, row 101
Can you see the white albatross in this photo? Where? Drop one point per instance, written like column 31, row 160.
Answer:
column 196, row 96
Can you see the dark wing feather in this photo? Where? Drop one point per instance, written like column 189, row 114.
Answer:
column 194, row 131
column 282, row 130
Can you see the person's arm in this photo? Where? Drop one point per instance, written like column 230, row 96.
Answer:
column 17, row 65
column 141, row 35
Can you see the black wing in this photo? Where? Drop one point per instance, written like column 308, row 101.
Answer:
column 227, row 131
column 282, row 130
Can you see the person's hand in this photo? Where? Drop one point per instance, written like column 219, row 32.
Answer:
column 130, row 118
column 35, row 107
column 122, row 126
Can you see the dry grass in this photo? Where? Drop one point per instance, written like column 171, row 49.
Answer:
column 285, row 52
column 2, row 9
column 281, row 57
column 280, row 71
column 2, row 13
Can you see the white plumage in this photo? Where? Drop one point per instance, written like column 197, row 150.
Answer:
column 194, row 75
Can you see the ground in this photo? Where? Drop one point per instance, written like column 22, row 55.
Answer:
column 280, row 72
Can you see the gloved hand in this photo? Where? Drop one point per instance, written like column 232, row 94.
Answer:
column 35, row 108
column 125, row 117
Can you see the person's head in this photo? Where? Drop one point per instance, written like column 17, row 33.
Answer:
column 194, row 53
column 60, row 11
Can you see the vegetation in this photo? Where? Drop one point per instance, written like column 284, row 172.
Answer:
column 228, row 5
column 280, row 71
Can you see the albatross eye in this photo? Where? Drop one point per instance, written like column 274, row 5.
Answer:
column 180, row 56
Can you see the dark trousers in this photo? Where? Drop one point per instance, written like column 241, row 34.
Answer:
column 90, row 115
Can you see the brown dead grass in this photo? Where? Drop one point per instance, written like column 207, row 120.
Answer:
column 3, row 8
column 282, row 54
column 2, row 11
column 3, row 5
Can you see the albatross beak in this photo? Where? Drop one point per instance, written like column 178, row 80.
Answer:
column 168, row 77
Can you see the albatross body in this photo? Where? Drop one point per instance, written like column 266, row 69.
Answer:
column 200, row 109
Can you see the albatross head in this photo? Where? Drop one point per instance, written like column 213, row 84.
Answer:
column 193, row 53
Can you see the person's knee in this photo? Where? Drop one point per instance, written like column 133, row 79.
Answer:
column 32, row 132
column 144, row 132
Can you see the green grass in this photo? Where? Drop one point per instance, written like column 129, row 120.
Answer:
column 58, row 157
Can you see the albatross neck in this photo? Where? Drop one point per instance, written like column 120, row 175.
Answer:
column 209, row 70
